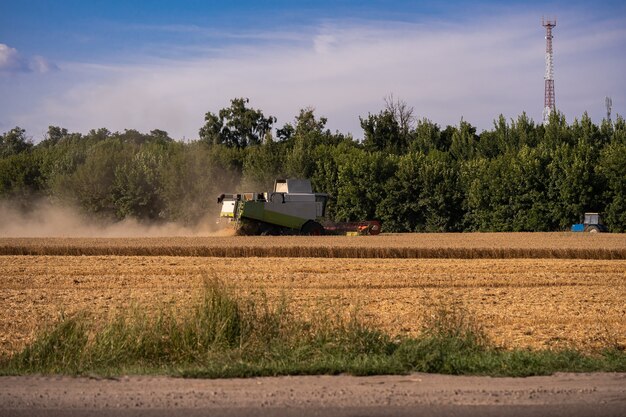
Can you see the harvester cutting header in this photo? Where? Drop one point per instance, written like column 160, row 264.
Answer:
column 291, row 209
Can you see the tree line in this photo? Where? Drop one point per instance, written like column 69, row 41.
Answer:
column 410, row 173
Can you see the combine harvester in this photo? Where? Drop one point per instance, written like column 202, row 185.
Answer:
column 291, row 209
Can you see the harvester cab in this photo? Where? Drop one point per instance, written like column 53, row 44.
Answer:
column 291, row 208
column 592, row 223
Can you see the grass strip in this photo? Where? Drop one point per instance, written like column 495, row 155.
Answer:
column 227, row 336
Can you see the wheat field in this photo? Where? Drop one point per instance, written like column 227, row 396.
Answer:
column 559, row 245
column 534, row 303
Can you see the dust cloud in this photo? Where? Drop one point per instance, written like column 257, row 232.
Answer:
column 46, row 219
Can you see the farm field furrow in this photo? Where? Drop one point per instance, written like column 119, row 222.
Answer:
column 536, row 303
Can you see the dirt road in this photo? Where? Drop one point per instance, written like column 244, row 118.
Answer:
column 416, row 394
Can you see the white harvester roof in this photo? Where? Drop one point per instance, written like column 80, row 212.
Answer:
column 293, row 186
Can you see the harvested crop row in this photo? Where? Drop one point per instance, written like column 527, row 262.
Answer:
column 521, row 302
column 397, row 246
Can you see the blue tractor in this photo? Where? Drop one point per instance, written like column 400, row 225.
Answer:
column 592, row 224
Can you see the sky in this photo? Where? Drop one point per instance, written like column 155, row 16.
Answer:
column 162, row 64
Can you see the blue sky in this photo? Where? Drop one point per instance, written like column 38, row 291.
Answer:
column 163, row 64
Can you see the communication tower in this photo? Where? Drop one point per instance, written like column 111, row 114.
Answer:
column 548, row 100
column 609, row 104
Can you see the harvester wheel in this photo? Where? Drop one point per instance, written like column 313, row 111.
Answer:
column 312, row 228
column 270, row 230
column 248, row 228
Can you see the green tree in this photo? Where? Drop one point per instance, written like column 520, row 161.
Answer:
column 402, row 114
column 400, row 209
column 362, row 183
column 496, row 142
column 585, row 130
column 137, row 183
column 236, row 126
column 619, row 130
column 59, row 157
column 54, row 135
column 427, row 137
column 464, row 141
column 506, row 193
column 263, row 164
column 523, row 131
column 192, row 177
column 97, row 135
column 326, row 173
column 382, row 133
column 92, row 184
column 285, row 133
column 160, row 136
column 556, row 131
column 14, row 142
column 423, row 195
column 480, row 201
column 441, row 197
column 612, row 171
column 308, row 133
column 572, row 184
column 528, row 199
column 20, row 176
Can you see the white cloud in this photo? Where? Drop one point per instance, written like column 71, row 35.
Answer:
column 446, row 72
column 11, row 61
column 323, row 44
column 41, row 65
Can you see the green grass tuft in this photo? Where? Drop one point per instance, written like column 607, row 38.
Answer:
column 227, row 336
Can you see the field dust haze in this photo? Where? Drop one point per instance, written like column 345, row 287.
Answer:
column 46, row 219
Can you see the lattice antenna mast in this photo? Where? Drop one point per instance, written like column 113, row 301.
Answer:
column 609, row 104
column 548, row 100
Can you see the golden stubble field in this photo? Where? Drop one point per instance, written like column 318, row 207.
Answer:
column 536, row 303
